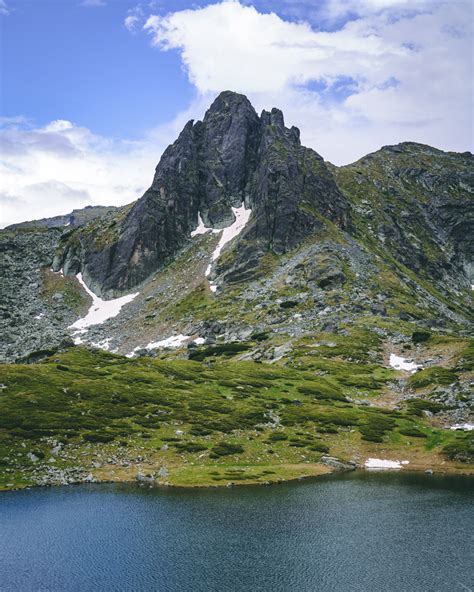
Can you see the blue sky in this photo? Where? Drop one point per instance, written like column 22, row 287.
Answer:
column 92, row 91
column 76, row 60
column 63, row 60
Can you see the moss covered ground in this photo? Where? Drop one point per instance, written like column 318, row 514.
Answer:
column 216, row 420
column 73, row 297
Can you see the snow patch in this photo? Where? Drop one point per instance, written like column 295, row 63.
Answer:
column 199, row 341
column 104, row 344
column 380, row 464
column 242, row 216
column 40, row 316
column 467, row 427
column 173, row 341
column 100, row 310
column 202, row 229
column 400, row 363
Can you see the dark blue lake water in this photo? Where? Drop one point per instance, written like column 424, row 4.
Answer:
column 357, row 532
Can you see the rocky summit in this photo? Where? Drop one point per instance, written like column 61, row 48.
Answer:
column 231, row 157
column 250, row 263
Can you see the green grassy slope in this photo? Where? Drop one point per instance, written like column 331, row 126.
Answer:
column 89, row 414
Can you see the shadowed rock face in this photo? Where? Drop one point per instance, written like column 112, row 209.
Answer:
column 230, row 157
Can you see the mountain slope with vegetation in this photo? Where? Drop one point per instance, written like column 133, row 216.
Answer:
column 214, row 419
column 268, row 294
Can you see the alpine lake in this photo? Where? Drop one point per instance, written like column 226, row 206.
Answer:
column 361, row 531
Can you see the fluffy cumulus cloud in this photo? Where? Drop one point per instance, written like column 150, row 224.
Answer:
column 389, row 71
column 51, row 170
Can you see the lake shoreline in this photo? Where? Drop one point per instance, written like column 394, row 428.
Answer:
column 317, row 470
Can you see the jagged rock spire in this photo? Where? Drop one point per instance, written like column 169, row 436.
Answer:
column 231, row 156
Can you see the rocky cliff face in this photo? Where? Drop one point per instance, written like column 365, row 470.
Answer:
column 232, row 157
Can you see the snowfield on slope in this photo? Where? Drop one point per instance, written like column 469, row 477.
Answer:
column 100, row 310
column 242, row 216
column 400, row 363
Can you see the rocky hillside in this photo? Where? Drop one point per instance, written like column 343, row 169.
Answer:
column 244, row 230
column 417, row 203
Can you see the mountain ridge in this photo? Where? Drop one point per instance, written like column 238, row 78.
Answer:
column 390, row 235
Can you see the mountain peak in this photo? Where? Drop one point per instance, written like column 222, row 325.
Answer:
column 288, row 231
column 229, row 102
column 230, row 96
column 231, row 157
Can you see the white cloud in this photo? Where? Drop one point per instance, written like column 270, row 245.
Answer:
column 137, row 15
column 406, row 68
column 263, row 53
column 4, row 8
column 341, row 8
column 131, row 22
column 384, row 76
column 50, row 170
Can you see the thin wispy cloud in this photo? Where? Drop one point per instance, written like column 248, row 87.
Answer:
column 93, row 3
column 4, row 10
column 131, row 22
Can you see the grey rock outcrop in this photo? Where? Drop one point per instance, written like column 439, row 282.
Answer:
column 33, row 313
column 231, row 157
column 337, row 464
